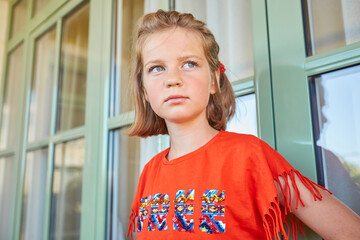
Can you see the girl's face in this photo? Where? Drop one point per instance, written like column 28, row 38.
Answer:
column 176, row 76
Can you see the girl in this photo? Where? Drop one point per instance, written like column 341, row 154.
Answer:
column 212, row 184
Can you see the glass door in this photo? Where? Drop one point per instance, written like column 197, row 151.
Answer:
column 233, row 31
column 315, row 49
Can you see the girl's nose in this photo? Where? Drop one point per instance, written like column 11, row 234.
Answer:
column 174, row 80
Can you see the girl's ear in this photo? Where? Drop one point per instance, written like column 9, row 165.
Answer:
column 215, row 84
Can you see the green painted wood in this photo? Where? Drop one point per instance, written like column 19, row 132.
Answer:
column 48, row 194
column 331, row 61
column 41, row 17
column 263, row 85
column 19, row 155
column 51, row 145
column 292, row 113
column 69, row 135
column 243, row 86
column 37, row 144
column 121, row 120
column 290, row 86
column 7, row 152
column 94, row 191
column 29, row 47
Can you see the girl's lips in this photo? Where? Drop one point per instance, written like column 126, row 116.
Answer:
column 175, row 99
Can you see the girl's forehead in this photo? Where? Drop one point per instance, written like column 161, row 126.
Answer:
column 170, row 41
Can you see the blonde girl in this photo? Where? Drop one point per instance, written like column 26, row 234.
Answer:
column 212, row 184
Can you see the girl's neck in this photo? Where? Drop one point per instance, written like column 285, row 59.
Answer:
column 184, row 140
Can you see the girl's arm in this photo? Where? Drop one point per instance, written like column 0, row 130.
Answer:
column 329, row 218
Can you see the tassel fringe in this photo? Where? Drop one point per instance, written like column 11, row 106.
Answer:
column 276, row 217
column 132, row 224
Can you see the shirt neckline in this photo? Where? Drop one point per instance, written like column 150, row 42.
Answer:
column 190, row 154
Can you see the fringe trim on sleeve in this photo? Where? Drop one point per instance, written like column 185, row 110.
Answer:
column 276, row 217
column 132, row 224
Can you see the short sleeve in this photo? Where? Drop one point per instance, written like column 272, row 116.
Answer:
column 271, row 167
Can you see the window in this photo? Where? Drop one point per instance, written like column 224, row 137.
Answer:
column 67, row 190
column 231, row 24
column 10, row 113
column 244, row 120
column 73, row 70
column 331, row 24
column 7, row 189
column 34, row 195
column 41, row 95
column 336, row 112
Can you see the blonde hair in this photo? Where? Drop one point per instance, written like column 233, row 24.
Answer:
column 221, row 106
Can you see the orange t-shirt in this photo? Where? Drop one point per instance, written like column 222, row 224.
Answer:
column 223, row 190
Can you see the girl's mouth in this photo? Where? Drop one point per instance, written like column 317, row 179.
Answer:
column 175, row 99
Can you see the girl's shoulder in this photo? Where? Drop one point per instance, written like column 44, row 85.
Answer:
column 235, row 140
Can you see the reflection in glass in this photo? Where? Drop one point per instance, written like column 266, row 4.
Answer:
column 66, row 190
column 244, row 120
column 124, row 167
column 18, row 18
column 34, row 195
column 6, row 188
column 231, row 24
column 42, row 87
column 336, row 103
column 9, row 115
column 127, row 15
column 4, row 12
column 38, row 5
column 331, row 24
column 73, row 69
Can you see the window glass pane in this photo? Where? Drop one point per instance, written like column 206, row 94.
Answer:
column 4, row 11
column 66, row 190
column 336, row 100
column 331, row 24
column 18, row 17
column 38, row 5
column 6, row 188
column 244, row 120
column 34, row 195
column 230, row 22
column 73, row 69
column 124, row 164
column 9, row 115
column 126, row 18
column 42, row 87
column 127, row 158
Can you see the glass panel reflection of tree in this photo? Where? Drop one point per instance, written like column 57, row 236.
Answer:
column 73, row 70
column 6, row 189
column 338, row 102
column 42, row 87
column 331, row 24
column 124, row 167
column 18, row 20
column 66, row 190
column 11, row 99
column 34, row 195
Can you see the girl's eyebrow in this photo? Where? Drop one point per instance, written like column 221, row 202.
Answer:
column 152, row 61
column 180, row 59
column 188, row 56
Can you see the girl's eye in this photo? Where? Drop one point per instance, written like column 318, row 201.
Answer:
column 190, row 65
column 156, row 69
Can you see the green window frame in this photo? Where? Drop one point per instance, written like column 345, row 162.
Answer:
column 285, row 125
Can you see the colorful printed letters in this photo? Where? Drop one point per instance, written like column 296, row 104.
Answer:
column 156, row 208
